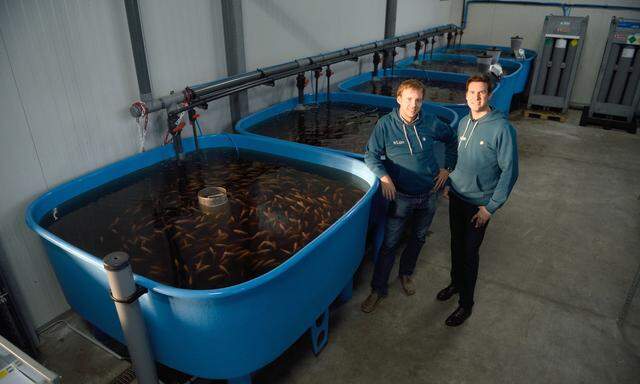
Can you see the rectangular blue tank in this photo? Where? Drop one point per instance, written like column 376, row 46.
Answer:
column 510, row 82
column 224, row 333
column 500, row 97
column 476, row 49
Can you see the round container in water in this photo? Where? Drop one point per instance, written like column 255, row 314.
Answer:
column 483, row 62
column 213, row 200
column 494, row 53
column 516, row 43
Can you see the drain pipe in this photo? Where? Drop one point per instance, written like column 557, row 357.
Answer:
column 376, row 62
column 301, row 82
column 417, row 52
column 316, row 75
column 125, row 295
column 328, row 72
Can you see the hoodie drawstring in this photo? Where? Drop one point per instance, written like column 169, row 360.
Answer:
column 417, row 137
column 404, row 129
column 467, row 139
column 471, row 134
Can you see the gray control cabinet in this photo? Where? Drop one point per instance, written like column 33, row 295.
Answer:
column 617, row 92
column 556, row 66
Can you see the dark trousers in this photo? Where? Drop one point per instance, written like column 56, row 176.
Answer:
column 420, row 208
column 465, row 245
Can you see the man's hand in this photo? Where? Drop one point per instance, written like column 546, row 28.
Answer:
column 442, row 177
column 481, row 217
column 388, row 189
column 445, row 193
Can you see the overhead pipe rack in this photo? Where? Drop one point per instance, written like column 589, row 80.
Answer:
column 200, row 95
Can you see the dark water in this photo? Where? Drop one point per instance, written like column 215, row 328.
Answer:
column 335, row 125
column 437, row 91
column 453, row 66
column 274, row 208
column 476, row 51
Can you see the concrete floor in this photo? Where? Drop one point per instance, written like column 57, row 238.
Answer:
column 556, row 265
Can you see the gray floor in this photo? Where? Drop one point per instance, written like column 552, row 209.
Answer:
column 556, row 265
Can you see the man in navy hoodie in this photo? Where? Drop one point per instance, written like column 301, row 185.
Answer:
column 483, row 178
column 401, row 153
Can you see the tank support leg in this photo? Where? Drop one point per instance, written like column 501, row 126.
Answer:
column 320, row 332
column 246, row 379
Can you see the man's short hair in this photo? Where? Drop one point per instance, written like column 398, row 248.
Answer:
column 480, row 79
column 411, row 84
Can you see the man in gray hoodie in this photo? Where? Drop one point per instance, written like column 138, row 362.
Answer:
column 483, row 178
column 401, row 153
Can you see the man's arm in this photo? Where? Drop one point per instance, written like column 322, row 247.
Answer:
column 375, row 150
column 507, row 152
column 449, row 137
column 372, row 158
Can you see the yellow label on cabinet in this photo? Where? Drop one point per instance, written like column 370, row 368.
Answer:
column 574, row 42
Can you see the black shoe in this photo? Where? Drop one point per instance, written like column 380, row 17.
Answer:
column 370, row 302
column 446, row 293
column 458, row 317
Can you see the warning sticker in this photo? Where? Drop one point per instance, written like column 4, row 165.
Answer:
column 627, row 53
column 574, row 42
column 561, row 43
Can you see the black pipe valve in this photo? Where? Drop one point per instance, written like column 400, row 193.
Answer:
column 417, row 52
column 376, row 62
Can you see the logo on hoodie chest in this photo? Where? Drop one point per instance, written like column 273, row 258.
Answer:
column 398, row 142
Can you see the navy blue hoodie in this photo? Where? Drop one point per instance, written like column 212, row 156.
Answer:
column 408, row 151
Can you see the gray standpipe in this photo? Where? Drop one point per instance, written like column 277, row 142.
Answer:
column 125, row 296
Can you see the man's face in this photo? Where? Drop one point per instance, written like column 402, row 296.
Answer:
column 478, row 96
column 410, row 101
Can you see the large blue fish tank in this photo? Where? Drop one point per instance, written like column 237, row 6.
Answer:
column 507, row 54
column 252, row 126
column 229, row 332
column 510, row 81
column 364, row 84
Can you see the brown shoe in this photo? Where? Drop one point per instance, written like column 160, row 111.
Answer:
column 370, row 302
column 408, row 285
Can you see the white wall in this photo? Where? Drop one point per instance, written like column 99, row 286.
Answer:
column 67, row 75
column 276, row 31
column 496, row 23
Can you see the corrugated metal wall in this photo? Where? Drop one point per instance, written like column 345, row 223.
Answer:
column 67, row 73
column 495, row 24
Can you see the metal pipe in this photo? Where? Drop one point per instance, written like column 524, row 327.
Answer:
column 125, row 296
column 137, row 46
column 564, row 6
column 233, row 29
column 203, row 93
column 390, row 18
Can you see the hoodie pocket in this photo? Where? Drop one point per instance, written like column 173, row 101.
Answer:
column 486, row 182
column 465, row 182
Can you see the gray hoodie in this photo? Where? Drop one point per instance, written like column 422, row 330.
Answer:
column 487, row 167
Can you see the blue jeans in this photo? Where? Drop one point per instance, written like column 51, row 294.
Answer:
column 420, row 208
